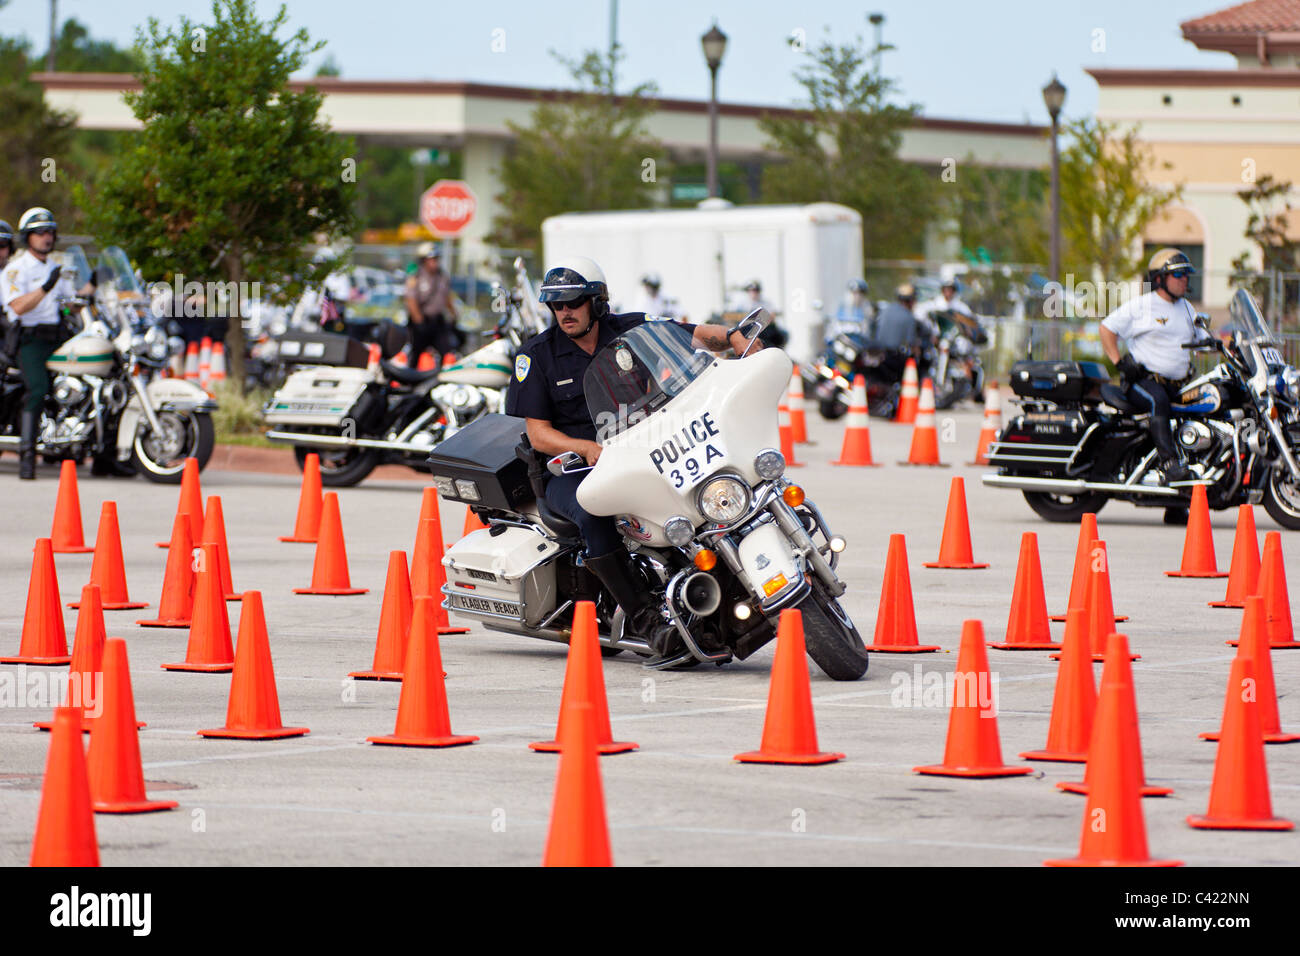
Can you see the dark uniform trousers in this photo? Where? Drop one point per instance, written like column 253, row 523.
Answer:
column 598, row 531
column 39, row 342
column 1157, row 396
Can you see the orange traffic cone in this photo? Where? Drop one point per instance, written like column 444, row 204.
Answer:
column 192, row 362
column 218, row 363
column 1114, row 829
column 955, row 547
column 578, row 834
column 472, row 523
column 401, row 359
column 205, row 363
column 307, row 526
column 973, row 748
column 856, row 449
column 176, row 606
column 786, row 434
column 1198, row 546
column 925, row 438
column 1272, row 588
column 330, row 572
column 1252, row 646
column 253, row 711
column 789, row 730
column 107, row 569
column 907, row 400
column 1074, row 701
column 794, row 402
column 1027, row 626
column 65, row 825
column 422, row 716
column 1239, row 797
column 191, row 501
column 430, row 508
column 896, row 617
column 66, row 536
column 113, row 760
column 209, row 649
column 428, row 577
column 214, row 530
column 426, row 363
column 44, row 640
column 375, row 353
column 1097, row 601
column 992, row 424
column 1128, row 747
column 394, row 623
column 1243, row 575
column 584, row 682
column 1082, row 562
column 85, row 675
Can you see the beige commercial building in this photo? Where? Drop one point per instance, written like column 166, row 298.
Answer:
column 1218, row 131
column 473, row 117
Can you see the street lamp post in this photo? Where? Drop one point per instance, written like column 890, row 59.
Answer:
column 1054, row 97
column 715, row 45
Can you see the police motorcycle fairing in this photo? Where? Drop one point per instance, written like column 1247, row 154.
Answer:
column 694, row 481
column 1078, row 442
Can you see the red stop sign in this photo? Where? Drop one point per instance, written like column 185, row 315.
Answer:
column 447, row 207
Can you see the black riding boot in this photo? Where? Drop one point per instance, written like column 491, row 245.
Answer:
column 644, row 619
column 27, row 444
column 1171, row 463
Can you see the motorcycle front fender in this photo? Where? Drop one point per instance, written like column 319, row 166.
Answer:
column 768, row 564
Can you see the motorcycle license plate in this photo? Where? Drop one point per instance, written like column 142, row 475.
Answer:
column 690, row 454
column 467, row 603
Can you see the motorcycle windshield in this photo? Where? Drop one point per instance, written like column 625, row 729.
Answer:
column 1250, row 324
column 117, row 266
column 639, row 372
column 75, row 267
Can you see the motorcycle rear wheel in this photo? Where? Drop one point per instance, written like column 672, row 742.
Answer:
column 1064, row 508
column 832, row 408
column 339, row 467
column 1282, row 498
column 831, row 639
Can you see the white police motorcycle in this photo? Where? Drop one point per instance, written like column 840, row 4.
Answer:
column 691, row 472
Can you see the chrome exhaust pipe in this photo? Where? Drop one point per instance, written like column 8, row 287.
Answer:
column 338, row 441
column 1075, row 486
column 701, row 594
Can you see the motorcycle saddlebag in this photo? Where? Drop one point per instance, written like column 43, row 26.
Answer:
column 483, row 453
column 1058, row 381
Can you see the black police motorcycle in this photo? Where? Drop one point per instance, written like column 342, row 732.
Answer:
column 1078, row 442
column 850, row 354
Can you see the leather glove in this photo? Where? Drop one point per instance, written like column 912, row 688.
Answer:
column 52, row 278
column 1128, row 368
column 94, row 278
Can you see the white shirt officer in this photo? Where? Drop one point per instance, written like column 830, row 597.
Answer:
column 25, row 273
column 1155, row 330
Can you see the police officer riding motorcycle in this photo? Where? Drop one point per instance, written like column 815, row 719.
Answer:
column 547, row 392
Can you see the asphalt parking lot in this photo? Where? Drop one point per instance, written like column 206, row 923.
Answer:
column 331, row 798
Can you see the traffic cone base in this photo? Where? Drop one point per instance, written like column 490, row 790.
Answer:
column 375, row 675
column 1268, row 738
column 1059, row 618
column 789, row 726
column 393, row 740
column 1215, row 823
column 275, row 734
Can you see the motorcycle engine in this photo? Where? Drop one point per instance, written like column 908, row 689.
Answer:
column 1195, row 436
column 68, row 392
column 462, row 403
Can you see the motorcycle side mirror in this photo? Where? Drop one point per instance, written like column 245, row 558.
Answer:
column 561, row 464
column 1202, row 321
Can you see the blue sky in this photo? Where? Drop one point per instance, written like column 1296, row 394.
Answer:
column 985, row 61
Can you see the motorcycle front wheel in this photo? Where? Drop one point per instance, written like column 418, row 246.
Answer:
column 832, row 640
column 160, row 456
column 340, row 467
column 1282, row 498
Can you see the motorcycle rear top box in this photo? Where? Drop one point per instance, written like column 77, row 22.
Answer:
column 484, row 452
column 322, row 348
column 1058, row 381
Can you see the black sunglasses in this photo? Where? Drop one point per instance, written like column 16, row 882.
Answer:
column 45, row 231
column 573, row 305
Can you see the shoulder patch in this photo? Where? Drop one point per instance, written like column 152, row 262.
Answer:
column 658, row 318
column 522, row 364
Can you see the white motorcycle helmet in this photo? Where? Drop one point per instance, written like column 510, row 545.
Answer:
column 576, row 277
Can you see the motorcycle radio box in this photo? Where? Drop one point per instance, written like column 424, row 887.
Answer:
column 322, row 348
column 480, row 465
column 1058, row 381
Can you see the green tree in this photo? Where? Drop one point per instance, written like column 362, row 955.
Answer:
column 583, row 151
column 233, row 174
column 845, row 150
column 34, row 139
column 1268, row 202
column 76, row 52
column 1003, row 211
column 1108, row 199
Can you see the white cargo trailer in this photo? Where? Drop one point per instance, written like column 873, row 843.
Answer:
column 804, row 256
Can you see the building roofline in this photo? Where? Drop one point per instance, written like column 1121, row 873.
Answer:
column 125, row 82
column 1251, row 77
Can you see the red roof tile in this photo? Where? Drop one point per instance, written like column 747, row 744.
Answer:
column 1257, row 16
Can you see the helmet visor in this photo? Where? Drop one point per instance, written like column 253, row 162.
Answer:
column 563, row 285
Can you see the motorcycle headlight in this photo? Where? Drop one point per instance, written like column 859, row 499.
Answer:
column 446, row 486
column 769, row 464
column 1291, row 378
column 724, row 499
column 679, row 531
